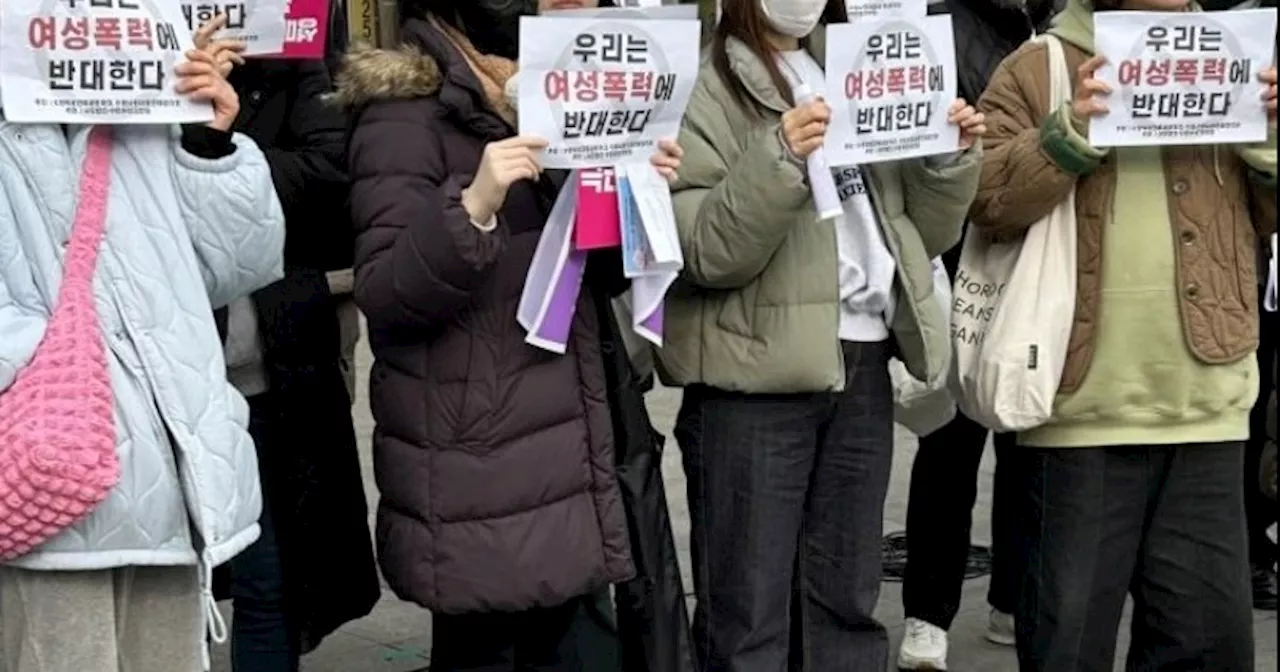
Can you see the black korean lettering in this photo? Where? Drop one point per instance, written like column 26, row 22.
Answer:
column 1157, row 38
column 612, row 45
column 665, row 86
column 122, row 75
column 102, row 4
column 1167, row 105
column 62, row 75
column 151, row 75
column 639, row 120
column 1219, row 104
column 235, row 15
column 937, row 78
column 1241, row 71
column 575, row 123
column 637, row 49
column 596, row 122
column 92, row 75
column 884, row 118
column 617, row 123
column 166, row 37
column 1143, row 106
column 875, row 47
column 1193, row 104
column 1210, row 39
column 584, row 47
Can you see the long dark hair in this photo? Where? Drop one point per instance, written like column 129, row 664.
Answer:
column 745, row 21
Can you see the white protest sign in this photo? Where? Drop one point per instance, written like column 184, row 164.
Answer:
column 859, row 10
column 94, row 62
column 604, row 90
column 257, row 23
column 1183, row 78
column 889, row 84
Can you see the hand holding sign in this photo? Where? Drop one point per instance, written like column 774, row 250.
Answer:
column 1268, row 77
column 667, row 160
column 504, row 163
column 226, row 53
column 972, row 123
column 1090, row 93
column 200, row 79
column 804, row 128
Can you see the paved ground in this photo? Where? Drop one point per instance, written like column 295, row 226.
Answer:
column 396, row 636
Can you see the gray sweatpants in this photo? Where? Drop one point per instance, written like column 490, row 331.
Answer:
column 133, row 619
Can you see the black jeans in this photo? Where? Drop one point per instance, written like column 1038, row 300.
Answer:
column 786, row 495
column 261, row 639
column 944, row 486
column 1260, row 511
column 1164, row 524
column 578, row 636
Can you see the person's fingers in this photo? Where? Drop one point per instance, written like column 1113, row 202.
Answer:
column 661, row 160
column 956, row 106
column 225, row 45
column 976, row 119
column 976, row 131
column 209, row 93
column 191, row 84
column 668, row 174
column 199, row 56
column 807, row 147
column 1091, row 66
column 525, row 141
column 961, row 115
column 671, row 148
column 1094, row 86
column 204, row 34
column 1267, row 76
column 1093, row 108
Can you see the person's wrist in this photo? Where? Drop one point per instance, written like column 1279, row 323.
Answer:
column 480, row 211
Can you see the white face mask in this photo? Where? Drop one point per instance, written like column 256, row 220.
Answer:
column 793, row 18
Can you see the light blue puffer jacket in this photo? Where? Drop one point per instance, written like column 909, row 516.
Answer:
column 184, row 235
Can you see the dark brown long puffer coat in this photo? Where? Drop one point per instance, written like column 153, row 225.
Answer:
column 494, row 459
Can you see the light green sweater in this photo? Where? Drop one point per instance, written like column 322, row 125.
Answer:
column 1144, row 385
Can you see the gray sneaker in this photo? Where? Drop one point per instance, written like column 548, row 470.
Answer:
column 1000, row 629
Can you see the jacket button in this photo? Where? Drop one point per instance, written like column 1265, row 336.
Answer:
column 1180, row 187
column 1188, row 236
column 1192, row 291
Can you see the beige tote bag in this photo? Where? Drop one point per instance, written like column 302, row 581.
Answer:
column 1014, row 306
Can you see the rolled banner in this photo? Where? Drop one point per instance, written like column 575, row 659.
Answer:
column 1269, row 298
column 825, row 197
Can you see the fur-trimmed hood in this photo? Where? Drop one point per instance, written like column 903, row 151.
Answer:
column 370, row 74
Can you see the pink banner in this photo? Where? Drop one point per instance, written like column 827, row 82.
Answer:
column 305, row 29
column 597, row 223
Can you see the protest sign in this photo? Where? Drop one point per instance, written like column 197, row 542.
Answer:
column 306, row 28
column 1183, row 78
column 94, row 62
column 889, row 83
column 602, row 90
column 259, row 24
column 859, row 10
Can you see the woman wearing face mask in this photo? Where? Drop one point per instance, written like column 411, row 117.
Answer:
column 781, row 331
column 500, row 507
column 1134, row 484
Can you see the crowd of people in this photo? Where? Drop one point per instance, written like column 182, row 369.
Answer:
column 178, row 309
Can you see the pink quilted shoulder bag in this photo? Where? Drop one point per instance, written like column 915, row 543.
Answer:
column 57, row 431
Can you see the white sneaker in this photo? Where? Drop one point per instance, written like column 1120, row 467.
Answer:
column 1000, row 629
column 924, row 647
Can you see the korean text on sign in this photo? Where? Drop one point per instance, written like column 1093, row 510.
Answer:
column 890, row 82
column 602, row 90
column 93, row 61
column 260, row 24
column 860, row 10
column 306, row 28
column 1184, row 78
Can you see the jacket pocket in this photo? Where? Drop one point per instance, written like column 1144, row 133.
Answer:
column 737, row 312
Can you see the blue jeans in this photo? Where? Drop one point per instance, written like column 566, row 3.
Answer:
column 261, row 640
